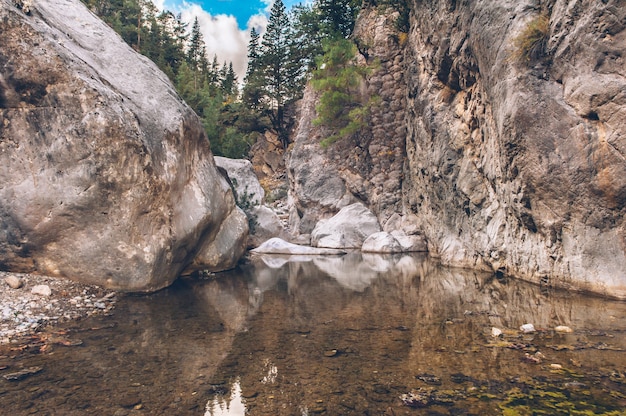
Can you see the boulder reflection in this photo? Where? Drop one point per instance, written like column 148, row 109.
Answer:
column 344, row 334
column 347, row 334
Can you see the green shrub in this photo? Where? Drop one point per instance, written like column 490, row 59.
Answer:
column 342, row 107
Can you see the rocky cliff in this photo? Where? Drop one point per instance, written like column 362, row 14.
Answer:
column 507, row 159
column 106, row 176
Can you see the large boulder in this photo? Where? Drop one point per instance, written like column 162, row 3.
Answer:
column 349, row 228
column 243, row 179
column 265, row 225
column 381, row 242
column 106, row 176
column 264, row 222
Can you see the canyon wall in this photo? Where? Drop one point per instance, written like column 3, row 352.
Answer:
column 512, row 163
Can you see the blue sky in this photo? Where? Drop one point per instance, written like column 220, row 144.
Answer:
column 225, row 24
column 242, row 10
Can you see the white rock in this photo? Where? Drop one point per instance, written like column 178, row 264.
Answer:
column 14, row 282
column 279, row 246
column 347, row 229
column 527, row 328
column 410, row 243
column 496, row 332
column 43, row 290
column 381, row 242
column 563, row 328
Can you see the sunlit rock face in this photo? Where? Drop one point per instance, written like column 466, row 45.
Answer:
column 507, row 165
column 519, row 166
column 106, row 176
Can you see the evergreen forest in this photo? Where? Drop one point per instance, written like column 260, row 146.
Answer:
column 304, row 43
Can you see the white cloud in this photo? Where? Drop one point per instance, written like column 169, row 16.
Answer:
column 222, row 35
column 160, row 4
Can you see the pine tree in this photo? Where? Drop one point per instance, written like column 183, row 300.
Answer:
column 196, row 51
column 253, row 92
column 253, row 53
column 338, row 16
column 276, row 68
column 229, row 82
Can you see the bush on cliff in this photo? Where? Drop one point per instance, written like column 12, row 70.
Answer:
column 343, row 106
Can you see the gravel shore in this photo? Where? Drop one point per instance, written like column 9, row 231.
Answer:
column 29, row 303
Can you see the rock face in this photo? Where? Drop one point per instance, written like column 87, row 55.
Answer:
column 106, row 176
column 519, row 166
column 510, row 165
column 349, row 228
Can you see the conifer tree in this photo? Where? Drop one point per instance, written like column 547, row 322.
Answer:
column 252, row 95
column 196, row 51
column 277, row 70
column 338, row 16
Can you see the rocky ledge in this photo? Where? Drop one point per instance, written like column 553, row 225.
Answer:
column 29, row 303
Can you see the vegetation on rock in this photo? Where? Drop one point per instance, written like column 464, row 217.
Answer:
column 530, row 44
column 343, row 107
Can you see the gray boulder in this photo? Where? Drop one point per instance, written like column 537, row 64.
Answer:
column 266, row 225
column 347, row 229
column 410, row 243
column 106, row 176
column 381, row 242
column 243, row 178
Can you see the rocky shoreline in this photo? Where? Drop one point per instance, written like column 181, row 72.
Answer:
column 29, row 303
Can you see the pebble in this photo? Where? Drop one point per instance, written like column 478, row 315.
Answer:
column 496, row 332
column 43, row 290
column 527, row 328
column 49, row 301
column 14, row 282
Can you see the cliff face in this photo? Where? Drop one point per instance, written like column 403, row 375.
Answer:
column 106, row 176
column 511, row 165
column 520, row 166
column 366, row 168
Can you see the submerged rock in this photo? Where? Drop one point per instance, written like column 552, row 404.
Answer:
column 106, row 175
column 527, row 328
column 563, row 329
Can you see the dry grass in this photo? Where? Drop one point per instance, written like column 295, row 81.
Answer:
column 530, row 45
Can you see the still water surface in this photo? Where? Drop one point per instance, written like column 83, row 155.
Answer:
column 351, row 335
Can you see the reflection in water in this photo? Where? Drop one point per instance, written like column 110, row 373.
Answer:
column 354, row 334
column 234, row 406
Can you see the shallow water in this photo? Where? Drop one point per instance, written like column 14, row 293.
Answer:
column 351, row 335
